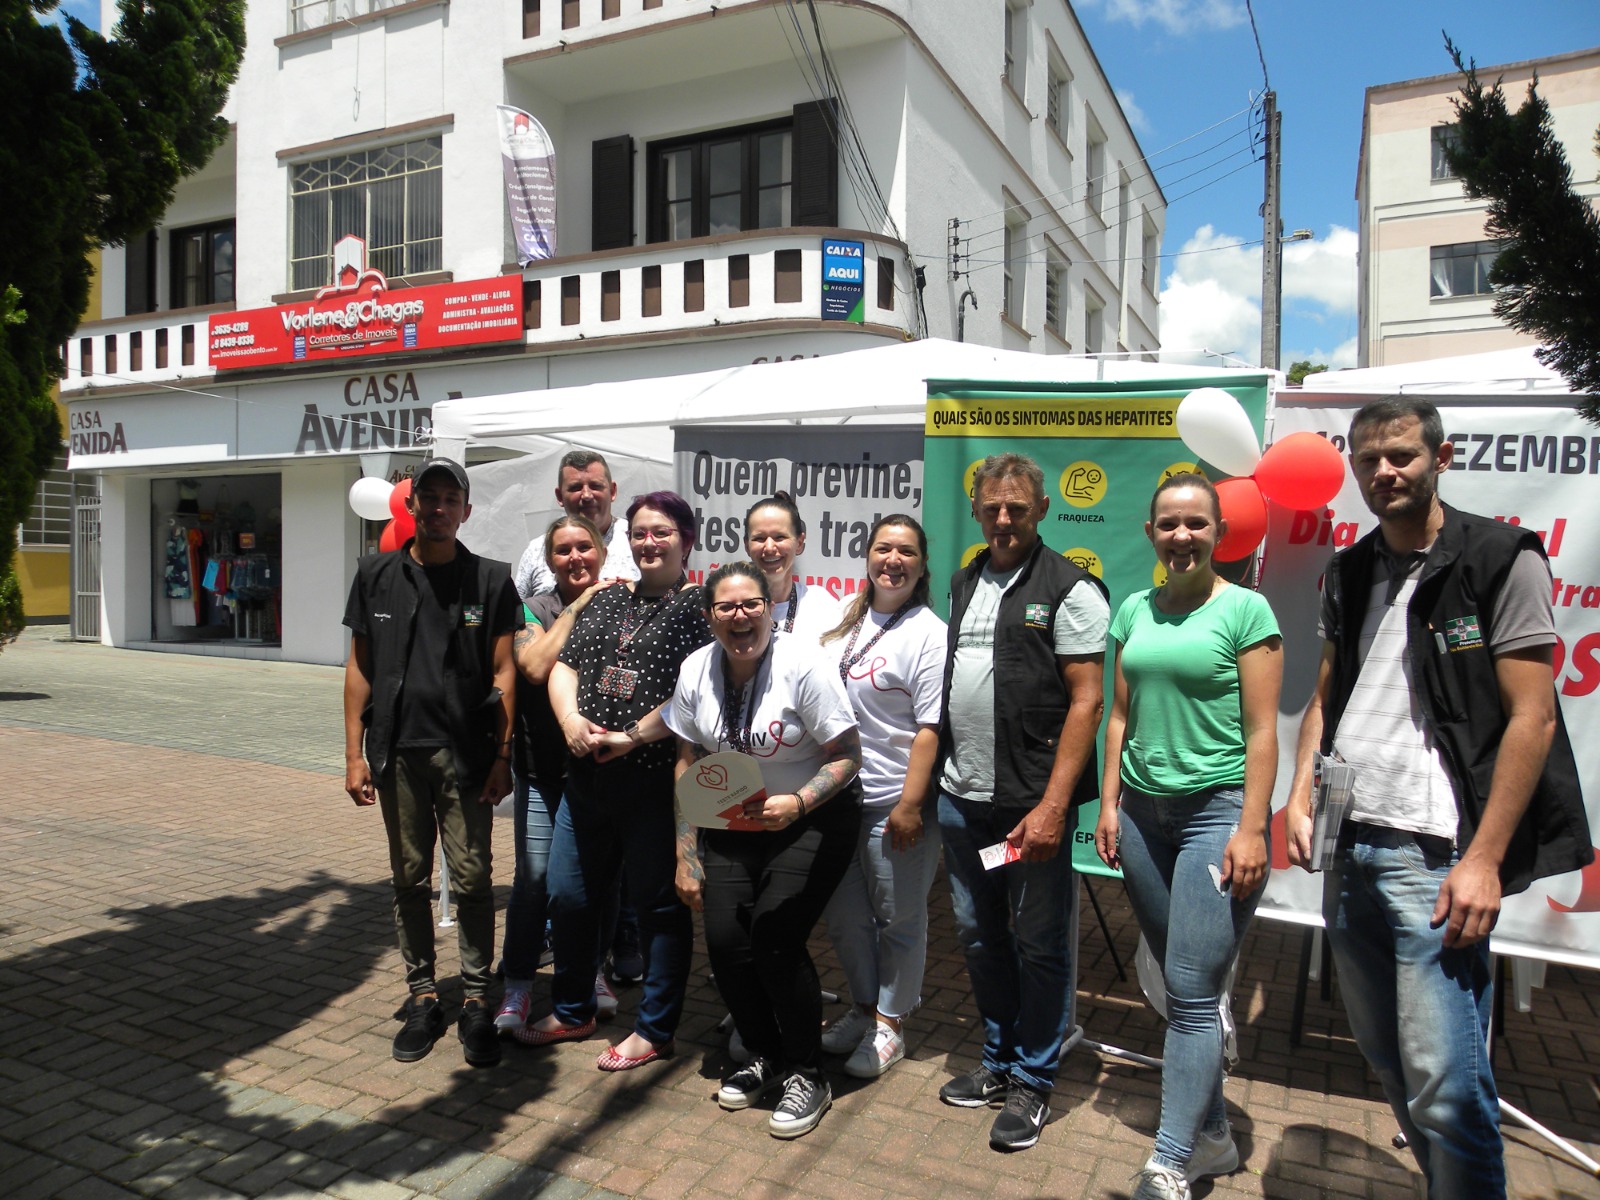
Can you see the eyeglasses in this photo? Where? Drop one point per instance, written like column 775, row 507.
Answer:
column 726, row 610
column 664, row 534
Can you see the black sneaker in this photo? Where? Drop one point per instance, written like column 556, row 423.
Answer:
column 627, row 962
column 480, row 1040
column 1018, row 1125
column 748, row 1084
column 805, row 1099
column 978, row 1088
column 424, row 1023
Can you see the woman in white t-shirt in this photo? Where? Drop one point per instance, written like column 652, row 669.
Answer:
column 763, row 891
column 774, row 536
column 890, row 652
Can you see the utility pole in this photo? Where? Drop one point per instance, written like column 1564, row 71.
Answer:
column 1271, row 238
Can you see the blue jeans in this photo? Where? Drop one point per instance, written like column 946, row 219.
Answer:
column 535, row 809
column 1015, row 925
column 1168, row 844
column 616, row 819
column 878, row 917
column 1420, row 1012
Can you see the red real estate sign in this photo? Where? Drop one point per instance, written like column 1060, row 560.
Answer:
column 364, row 317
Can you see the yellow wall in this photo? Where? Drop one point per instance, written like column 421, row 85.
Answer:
column 46, row 574
column 46, row 579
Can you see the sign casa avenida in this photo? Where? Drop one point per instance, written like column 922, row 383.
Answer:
column 358, row 314
column 377, row 412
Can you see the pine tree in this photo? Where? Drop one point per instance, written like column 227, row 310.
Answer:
column 1547, row 274
column 95, row 134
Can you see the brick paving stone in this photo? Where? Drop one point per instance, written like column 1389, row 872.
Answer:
column 269, row 916
column 95, row 1188
column 357, row 1186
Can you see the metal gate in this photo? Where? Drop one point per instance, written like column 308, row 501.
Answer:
column 86, row 562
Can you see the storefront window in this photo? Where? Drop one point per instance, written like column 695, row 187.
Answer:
column 218, row 543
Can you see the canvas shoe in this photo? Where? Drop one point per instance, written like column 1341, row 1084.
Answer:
column 514, row 1009
column 424, row 1024
column 978, row 1088
column 879, row 1050
column 1024, row 1115
column 605, row 1000
column 748, row 1084
column 805, row 1099
column 1214, row 1154
column 845, row 1034
column 1159, row 1183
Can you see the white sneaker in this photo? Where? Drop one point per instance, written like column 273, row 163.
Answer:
column 514, row 1009
column 845, row 1034
column 1214, row 1154
column 879, row 1049
column 1159, row 1183
column 605, row 1000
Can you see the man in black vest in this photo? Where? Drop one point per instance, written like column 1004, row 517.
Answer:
column 1436, row 686
column 1022, row 702
column 428, row 694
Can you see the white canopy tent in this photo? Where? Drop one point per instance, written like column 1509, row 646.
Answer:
column 1495, row 373
column 886, row 383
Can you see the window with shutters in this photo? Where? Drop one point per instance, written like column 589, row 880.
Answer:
column 722, row 182
column 1055, row 294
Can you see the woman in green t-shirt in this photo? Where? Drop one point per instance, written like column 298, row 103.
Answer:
column 1191, row 753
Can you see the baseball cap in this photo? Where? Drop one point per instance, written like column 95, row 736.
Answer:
column 457, row 473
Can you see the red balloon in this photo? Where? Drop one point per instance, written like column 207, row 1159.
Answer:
column 398, row 498
column 389, row 541
column 1245, row 510
column 1301, row 471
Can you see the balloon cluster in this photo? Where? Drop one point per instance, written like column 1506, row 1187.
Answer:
column 1301, row 471
column 379, row 500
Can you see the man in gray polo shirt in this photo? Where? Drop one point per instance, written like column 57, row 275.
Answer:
column 1436, row 686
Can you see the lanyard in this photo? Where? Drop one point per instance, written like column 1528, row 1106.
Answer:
column 794, row 607
column 638, row 618
column 850, row 659
column 737, row 704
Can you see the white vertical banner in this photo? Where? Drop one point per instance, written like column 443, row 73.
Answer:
column 1535, row 464
column 529, row 160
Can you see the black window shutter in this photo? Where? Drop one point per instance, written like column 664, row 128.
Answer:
column 139, row 292
column 816, row 163
column 612, row 191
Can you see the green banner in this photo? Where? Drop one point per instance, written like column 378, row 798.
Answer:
column 1103, row 447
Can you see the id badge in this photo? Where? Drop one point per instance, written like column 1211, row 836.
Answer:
column 618, row 682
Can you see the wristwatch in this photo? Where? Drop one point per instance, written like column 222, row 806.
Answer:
column 635, row 735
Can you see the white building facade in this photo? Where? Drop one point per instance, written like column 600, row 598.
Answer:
column 705, row 151
column 1424, row 256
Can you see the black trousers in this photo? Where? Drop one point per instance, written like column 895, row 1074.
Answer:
column 764, row 893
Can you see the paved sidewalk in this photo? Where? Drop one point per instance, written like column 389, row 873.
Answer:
column 198, row 972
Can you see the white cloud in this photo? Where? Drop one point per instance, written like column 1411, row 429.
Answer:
column 1341, row 356
column 1212, row 296
column 1205, row 315
column 1323, row 270
column 1175, row 16
column 1135, row 114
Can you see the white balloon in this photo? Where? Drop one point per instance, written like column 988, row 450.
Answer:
column 370, row 498
column 1214, row 427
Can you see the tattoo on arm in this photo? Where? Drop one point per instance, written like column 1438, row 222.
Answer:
column 524, row 637
column 836, row 772
column 689, row 847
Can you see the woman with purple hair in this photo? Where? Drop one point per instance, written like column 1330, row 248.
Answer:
column 618, row 668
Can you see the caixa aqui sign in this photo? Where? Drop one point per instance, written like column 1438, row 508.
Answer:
column 358, row 314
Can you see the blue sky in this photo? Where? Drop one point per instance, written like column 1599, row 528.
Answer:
column 1180, row 66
